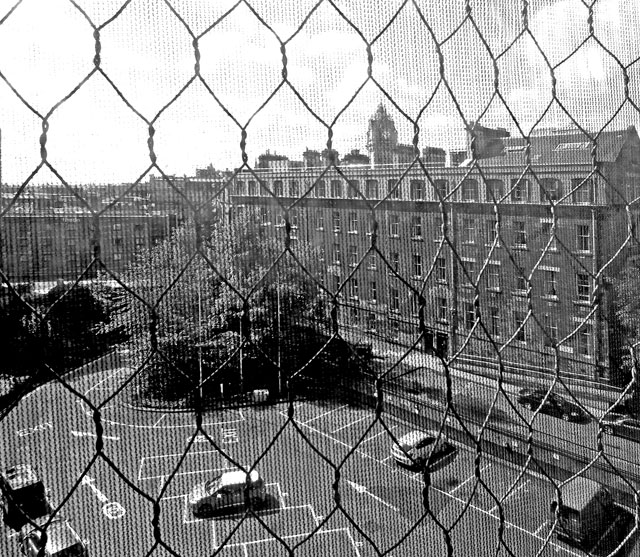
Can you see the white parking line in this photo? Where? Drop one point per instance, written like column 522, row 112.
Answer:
column 468, row 479
column 324, row 414
column 453, row 497
column 383, row 432
column 159, row 420
column 540, row 528
column 510, row 495
column 350, row 424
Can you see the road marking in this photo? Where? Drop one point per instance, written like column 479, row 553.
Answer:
column 453, row 497
column 350, row 424
column 34, row 429
column 88, row 434
column 363, row 490
column 89, row 481
column 540, row 528
column 378, row 435
column 324, row 414
column 468, row 480
column 159, row 420
column 509, row 495
column 113, row 510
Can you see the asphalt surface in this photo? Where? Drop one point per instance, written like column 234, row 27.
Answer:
column 333, row 487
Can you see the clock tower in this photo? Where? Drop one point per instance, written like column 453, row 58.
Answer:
column 382, row 137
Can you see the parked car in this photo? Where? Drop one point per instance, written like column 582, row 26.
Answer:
column 62, row 540
column 621, row 425
column 23, row 495
column 423, row 450
column 226, row 491
column 554, row 405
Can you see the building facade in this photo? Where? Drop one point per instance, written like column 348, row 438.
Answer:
column 511, row 253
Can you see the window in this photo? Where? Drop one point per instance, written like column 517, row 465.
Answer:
column 417, row 265
column 547, row 232
column 583, row 237
column 583, row 284
column 490, row 231
column 265, row 216
column 468, row 231
column 336, row 221
column 521, row 283
column 493, row 276
column 520, row 190
column 336, row 188
column 417, row 190
column 467, row 275
column 394, row 299
column 353, row 222
column 415, row 304
column 353, row 189
column 469, row 190
column 469, row 315
column 239, row 187
column 294, row 190
column 371, row 321
column 442, row 188
column 493, row 326
column 495, row 187
column 416, row 227
column 551, row 189
column 394, row 260
column 442, row 309
column 354, row 314
column 551, row 330
column 371, row 189
column 394, row 226
column 117, row 227
column 353, row 287
column 320, row 189
column 519, row 317
column 441, row 269
column 278, row 188
column 584, row 192
column 583, row 340
column 394, row 189
column 521, row 233
column 373, row 261
column 322, row 255
column 252, row 188
column 373, row 292
column 320, row 220
column 550, row 282
column 337, row 254
column 353, row 255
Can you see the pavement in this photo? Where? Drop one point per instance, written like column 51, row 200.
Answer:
column 597, row 396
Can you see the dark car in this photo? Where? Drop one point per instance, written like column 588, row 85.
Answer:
column 554, row 405
column 23, row 495
column 61, row 541
column 621, row 425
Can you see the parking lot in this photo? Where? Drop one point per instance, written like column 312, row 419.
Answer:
column 333, row 487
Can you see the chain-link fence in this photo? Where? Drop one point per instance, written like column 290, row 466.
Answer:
column 243, row 318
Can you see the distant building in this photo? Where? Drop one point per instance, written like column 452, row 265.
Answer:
column 532, row 258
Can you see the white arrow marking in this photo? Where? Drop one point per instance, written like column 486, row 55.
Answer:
column 88, row 481
column 88, row 434
column 362, row 489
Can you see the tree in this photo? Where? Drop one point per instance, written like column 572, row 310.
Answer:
column 626, row 321
column 239, row 313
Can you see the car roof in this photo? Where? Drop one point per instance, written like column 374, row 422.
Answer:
column 238, row 477
column 578, row 492
column 20, row 475
column 60, row 534
column 417, row 435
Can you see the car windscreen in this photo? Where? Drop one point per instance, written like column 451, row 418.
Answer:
column 75, row 550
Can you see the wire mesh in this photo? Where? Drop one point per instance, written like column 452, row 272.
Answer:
column 167, row 330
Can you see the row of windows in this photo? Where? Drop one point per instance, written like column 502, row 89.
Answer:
column 468, row 274
column 517, row 190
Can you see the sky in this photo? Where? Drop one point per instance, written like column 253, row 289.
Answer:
column 47, row 50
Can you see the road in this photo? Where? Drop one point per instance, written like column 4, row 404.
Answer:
column 334, row 489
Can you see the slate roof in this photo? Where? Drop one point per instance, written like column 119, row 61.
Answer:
column 562, row 148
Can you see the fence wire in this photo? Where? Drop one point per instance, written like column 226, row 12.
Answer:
column 467, row 294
